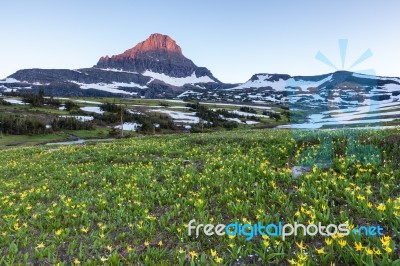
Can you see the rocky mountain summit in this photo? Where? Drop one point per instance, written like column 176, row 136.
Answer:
column 158, row 53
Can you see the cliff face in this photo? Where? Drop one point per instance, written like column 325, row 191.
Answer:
column 158, row 53
column 156, row 43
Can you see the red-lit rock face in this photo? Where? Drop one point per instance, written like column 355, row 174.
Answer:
column 155, row 43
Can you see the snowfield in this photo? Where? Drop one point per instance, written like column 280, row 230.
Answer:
column 186, row 93
column 181, row 117
column 247, row 114
column 92, row 109
column 173, row 101
column 237, row 120
column 115, row 70
column 83, row 118
column 9, row 80
column 113, row 87
column 129, row 126
column 135, row 112
column 15, row 101
column 177, row 81
column 281, row 84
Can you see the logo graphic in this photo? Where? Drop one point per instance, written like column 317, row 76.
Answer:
column 343, row 51
column 344, row 99
column 284, row 230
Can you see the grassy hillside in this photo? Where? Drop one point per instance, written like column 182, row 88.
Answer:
column 129, row 202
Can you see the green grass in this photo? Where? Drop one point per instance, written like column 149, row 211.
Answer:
column 48, row 111
column 31, row 109
column 14, row 107
column 89, row 134
column 128, row 202
column 7, row 141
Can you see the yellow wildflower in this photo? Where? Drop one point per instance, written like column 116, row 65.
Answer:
column 320, row 251
column 218, row 260
column 181, row 250
column 342, row 243
column 301, row 246
column 388, row 250
column 381, row 207
column 370, row 251
column 193, row 254
column 358, row 246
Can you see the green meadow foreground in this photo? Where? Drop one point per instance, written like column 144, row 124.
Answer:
column 129, row 202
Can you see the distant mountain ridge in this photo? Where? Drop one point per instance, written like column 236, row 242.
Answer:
column 157, row 68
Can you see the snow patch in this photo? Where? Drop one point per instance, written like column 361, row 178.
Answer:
column 186, row 93
column 237, row 120
column 92, row 109
column 113, row 87
column 135, row 112
column 174, row 101
column 83, row 118
column 281, row 84
column 129, row 126
column 178, row 81
column 252, row 122
column 40, row 84
column 116, row 70
column 9, row 80
column 15, row 101
column 181, row 117
column 247, row 114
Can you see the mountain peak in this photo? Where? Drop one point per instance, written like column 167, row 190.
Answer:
column 155, row 43
column 158, row 41
column 158, row 53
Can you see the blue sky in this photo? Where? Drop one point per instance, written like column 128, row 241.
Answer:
column 234, row 39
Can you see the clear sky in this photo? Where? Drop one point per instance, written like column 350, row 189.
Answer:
column 234, row 39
